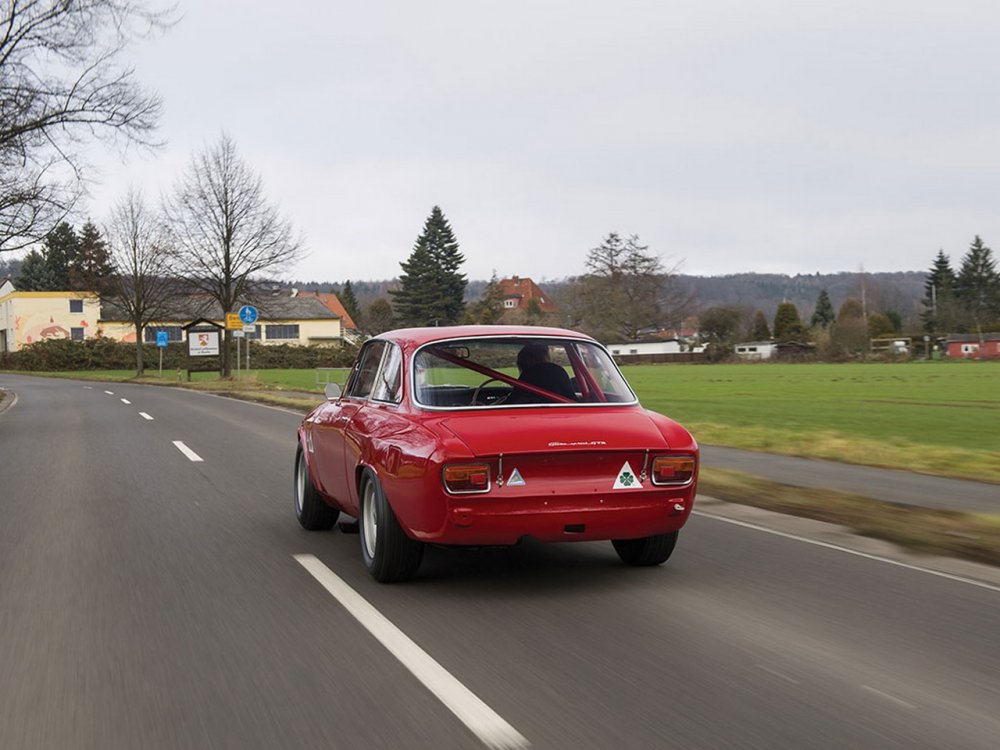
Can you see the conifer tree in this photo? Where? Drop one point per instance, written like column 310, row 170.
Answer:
column 489, row 308
column 350, row 302
column 938, row 315
column 787, row 324
column 823, row 316
column 34, row 276
column 431, row 290
column 92, row 268
column 977, row 285
column 60, row 248
column 760, row 331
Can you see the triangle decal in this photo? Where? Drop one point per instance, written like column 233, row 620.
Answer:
column 516, row 480
column 626, row 479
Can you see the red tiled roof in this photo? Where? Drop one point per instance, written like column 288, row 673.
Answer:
column 524, row 290
column 335, row 306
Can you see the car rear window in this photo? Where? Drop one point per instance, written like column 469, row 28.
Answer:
column 516, row 371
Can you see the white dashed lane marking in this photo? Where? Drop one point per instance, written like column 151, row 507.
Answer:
column 126, row 401
column 192, row 456
column 891, row 698
column 144, row 415
column 110, row 393
column 482, row 720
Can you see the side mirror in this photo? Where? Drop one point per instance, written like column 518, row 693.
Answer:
column 332, row 391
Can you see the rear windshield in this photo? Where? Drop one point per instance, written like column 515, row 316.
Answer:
column 522, row 371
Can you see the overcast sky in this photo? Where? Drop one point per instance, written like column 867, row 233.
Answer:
column 774, row 136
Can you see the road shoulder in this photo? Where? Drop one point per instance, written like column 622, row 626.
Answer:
column 833, row 535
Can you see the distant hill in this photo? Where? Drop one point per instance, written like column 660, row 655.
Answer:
column 900, row 291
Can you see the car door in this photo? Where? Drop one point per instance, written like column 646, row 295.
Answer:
column 334, row 442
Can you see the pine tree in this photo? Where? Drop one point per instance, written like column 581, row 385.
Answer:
column 350, row 302
column 938, row 315
column 823, row 316
column 977, row 285
column 34, row 276
column 787, row 324
column 92, row 269
column 489, row 308
column 431, row 290
column 760, row 330
column 61, row 247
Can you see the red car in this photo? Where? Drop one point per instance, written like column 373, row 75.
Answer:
column 485, row 435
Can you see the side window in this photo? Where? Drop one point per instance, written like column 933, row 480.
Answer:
column 76, row 305
column 390, row 380
column 363, row 378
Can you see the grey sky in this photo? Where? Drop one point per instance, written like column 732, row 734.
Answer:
column 774, row 136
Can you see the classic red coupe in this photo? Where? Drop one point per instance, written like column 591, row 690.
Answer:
column 486, row 435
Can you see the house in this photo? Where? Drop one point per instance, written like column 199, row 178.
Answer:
column 974, row 345
column 299, row 320
column 755, row 350
column 519, row 294
column 332, row 301
column 27, row 317
column 641, row 348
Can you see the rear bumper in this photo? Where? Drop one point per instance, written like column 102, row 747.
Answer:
column 489, row 520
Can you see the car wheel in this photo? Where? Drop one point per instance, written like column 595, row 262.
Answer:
column 389, row 554
column 311, row 510
column 650, row 550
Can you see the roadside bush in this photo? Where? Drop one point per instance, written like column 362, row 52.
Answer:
column 57, row 355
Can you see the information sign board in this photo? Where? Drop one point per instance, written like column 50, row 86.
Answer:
column 162, row 339
column 203, row 343
column 233, row 321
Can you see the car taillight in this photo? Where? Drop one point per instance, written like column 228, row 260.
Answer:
column 673, row 470
column 464, row 479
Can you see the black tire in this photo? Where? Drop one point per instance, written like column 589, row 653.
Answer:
column 650, row 550
column 389, row 554
column 311, row 510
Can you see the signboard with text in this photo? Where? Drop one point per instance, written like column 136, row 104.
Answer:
column 233, row 321
column 203, row 343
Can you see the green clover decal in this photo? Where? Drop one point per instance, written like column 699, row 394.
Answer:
column 627, row 479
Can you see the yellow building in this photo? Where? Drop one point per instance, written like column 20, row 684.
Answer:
column 27, row 317
column 283, row 320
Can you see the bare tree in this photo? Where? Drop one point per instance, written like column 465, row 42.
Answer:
column 142, row 258
column 226, row 232
column 626, row 290
column 61, row 85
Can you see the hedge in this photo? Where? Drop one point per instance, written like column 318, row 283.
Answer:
column 58, row 355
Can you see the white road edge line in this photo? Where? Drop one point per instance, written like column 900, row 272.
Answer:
column 838, row 548
column 482, row 720
column 187, row 451
column 144, row 415
column 776, row 673
column 126, row 401
column 887, row 696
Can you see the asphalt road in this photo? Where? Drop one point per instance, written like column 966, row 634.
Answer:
column 149, row 600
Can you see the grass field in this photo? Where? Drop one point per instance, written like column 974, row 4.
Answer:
column 932, row 417
column 936, row 417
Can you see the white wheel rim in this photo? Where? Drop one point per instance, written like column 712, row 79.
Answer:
column 300, row 483
column 370, row 520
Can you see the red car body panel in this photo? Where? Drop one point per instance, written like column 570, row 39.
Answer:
column 565, row 460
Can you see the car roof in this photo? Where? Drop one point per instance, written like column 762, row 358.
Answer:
column 420, row 336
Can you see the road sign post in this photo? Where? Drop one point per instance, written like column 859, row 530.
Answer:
column 161, row 343
column 248, row 314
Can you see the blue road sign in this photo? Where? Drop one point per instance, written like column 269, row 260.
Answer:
column 248, row 314
column 161, row 339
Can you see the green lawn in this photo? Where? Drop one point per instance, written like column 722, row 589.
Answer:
column 936, row 417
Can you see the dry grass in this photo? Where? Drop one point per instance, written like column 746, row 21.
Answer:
column 970, row 536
